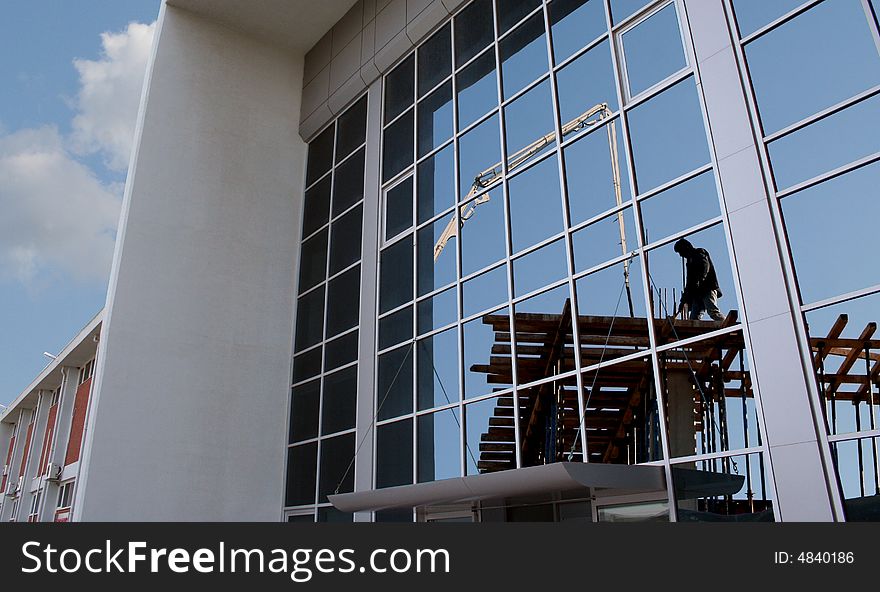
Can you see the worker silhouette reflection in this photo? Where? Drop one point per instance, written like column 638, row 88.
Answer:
column 701, row 290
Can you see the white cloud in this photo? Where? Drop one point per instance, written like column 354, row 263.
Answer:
column 58, row 217
column 110, row 90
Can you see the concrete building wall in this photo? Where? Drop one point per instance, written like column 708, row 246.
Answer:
column 199, row 313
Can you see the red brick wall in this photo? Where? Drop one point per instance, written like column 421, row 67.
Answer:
column 80, row 404
column 47, row 439
column 8, row 461
column 27, row 449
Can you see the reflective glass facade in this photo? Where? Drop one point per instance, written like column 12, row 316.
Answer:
column 537, row 165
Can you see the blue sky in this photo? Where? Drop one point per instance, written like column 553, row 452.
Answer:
column 65, row 121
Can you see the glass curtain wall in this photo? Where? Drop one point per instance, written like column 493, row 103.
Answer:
column 814, row 71
column 540, row 161
column 324, row 388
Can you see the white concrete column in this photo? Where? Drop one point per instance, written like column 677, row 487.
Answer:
column 187, row 414
column 33, row 461
column 14, row 465
column 798, row 458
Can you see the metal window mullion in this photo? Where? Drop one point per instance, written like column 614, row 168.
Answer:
column 869, row 291
column 791, row 289
column 502, row 134
column 832, row 174
column 646, row 288
column 790, row 15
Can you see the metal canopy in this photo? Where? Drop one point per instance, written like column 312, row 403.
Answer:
column 543, row 479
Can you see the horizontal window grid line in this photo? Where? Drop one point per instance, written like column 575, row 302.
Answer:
column 299, row 443
column 548, row 379
column 306, row 350
column 490, row 267
column 343, row 271
column 303, row 293
column 319, row 179
column 411, row 109
column 683, row 233
column 510, row 30
column 538, row 291
column 570, row 139
column 636, row 355
column 478, row 121
column 850, row 436
column 573, row 57
column 385, row 245
column 665, row 84
column 544, row 76
column 325, row 226
column 699, row 338
column 840, row 299
column 457, row 69
column 435, row 292
column 398, row 177
column 434, row 151
column 838, row 172
column 506, row 176
column 409, row 342
column 680, row 460
column 324, row 373
column 433, row 89
column 397, row 309
column 494, row 309
column 330, row 435
column 433, row 332
column 537, row 246
column 790, row 15
column 680, row 180
column 344, row 159
column 825, row 113
column 601, row 216
column 604, row 265
column 345, row 211
column 432, row 410
column 638, row 16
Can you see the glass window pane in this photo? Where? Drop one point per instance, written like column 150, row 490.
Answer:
column 604, row 240
column 477, row 89
column 620, row 9
column 437, row 311
column 316, row 207
column 439, row 446
column 537, row 321
column 313, row 261
column 302, row 469
column 345, row 240
column 482, row 234
column 680, row 207
column 836, row 332
column 751, row 15
column 510, row 12
column 590, row 176
column 795, row 76
column 573, row 24
column 435, row 124
column 489, row 436
column 478, row 150
column 670, row 273
column 729, row 489
column 399, row 87
column 709, row 398
column 395, row 278
column 479, row 337
column 341, row 351
column 437, row 374
column 549, row 429
column 337, row 470
column 397, row 147
column 674, row 113
column 352, row 129
column 435, row 188
column 621, row 418
column 484, row 291
column 586, row 82
column 844, row 208
column 608, row 329
column 394, row 454
column 523, row 55
column 434, row 274
column 348, row 183
column 340, row 396
column 826, row 144
column 540, row 268
column 399, row 208
column 652, row 50
column 858, row 476
column 528, row 119
column 307, row 365
column 396, row 328
column 304, row 411
column 435, row 59
column 394, row 394
column 343, row 298
column 535, row 205
column 310, row 319
column 474, row 30
column 320, row 155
